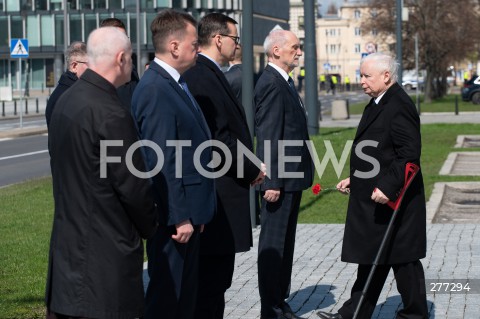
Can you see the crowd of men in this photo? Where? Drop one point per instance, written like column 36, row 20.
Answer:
column 194, row 219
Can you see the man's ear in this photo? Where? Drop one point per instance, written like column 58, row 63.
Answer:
column 387, row 77
column 121, row 58
column 173, row 47
column 276, row 50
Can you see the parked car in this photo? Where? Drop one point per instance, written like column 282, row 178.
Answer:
column 410, row 84
column 471, row 90
column 409, row 80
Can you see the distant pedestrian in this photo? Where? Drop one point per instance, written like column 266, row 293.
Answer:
column 301, row 77
column 347, row 83
column 322, row 82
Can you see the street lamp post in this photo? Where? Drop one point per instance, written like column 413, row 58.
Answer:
column 399, row 40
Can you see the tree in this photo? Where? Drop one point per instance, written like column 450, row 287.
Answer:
column 447, row 34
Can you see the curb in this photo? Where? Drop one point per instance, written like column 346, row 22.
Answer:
column 22, row 132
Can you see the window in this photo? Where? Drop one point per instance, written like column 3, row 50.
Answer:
column 56, row 5
column 2, row 7
column 117, row 4
column 41, row 5
column 301, row 23
column 84, row 4
column 33, row 34
column 17, row 27
column 59, row 27
column 357, row 14
column 75, row 28
column 374, row 13
column 333, row 48
column 4, row 31
column 37, row 74
column 13, row 5
column 90, row 23
column 374, row 32
column 47, row 35
column 357, row 31
column 163, row 3
column 99, row 4
column 357, row 48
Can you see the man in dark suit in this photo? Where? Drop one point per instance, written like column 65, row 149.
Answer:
column 167, row 115
column 230, row 231
column 76, row 61
column 280, row 116
column 125, row 91
column 101, row 209
column 387, row 138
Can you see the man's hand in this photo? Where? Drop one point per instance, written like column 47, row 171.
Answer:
column 379, row 197
column 344, row 186
column 261, row 175
column 272, row 195
column 184, row 232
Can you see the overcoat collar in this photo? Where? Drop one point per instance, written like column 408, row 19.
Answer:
column 223, row 80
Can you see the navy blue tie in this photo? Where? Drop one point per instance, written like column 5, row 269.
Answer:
column 292, row 86
column 184, row 86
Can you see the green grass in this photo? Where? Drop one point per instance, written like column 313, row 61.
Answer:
column 25, row 224
column 445, row 104
column 26, row 215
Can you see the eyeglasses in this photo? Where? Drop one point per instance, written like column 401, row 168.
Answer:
column 80, row 62
column 234, row 38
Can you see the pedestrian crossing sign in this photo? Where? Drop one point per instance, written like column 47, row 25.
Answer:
column 19, row 48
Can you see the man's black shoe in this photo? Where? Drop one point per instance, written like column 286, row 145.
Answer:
column 328, row 315
column 288, row 312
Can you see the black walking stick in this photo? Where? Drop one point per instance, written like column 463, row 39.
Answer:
column 410, row 171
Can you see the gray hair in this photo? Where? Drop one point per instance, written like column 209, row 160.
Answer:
column 275, row 37
column 76, row 49
column 104, row 43
column 383, row 62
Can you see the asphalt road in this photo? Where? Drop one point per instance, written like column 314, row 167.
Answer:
column 23, row 158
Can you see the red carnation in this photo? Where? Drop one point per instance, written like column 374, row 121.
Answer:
column 316, row 189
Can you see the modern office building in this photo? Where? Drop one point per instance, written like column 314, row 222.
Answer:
column 42, row 23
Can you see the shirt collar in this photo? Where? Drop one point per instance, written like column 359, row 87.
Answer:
column 377, row 100
column 170, row 70
column 280, row 70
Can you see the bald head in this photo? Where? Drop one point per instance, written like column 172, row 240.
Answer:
column 110, row 54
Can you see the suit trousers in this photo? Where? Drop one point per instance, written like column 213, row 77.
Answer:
column 410, row 281
column 275, row 250
column 215, row 277
column 173, row 271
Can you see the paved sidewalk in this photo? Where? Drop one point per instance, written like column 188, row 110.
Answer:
column 321, row 281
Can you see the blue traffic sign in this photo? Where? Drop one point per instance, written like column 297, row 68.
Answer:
column 19, row 48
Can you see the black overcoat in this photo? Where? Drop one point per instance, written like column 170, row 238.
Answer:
column 96, row 252
column 230, row 230
column 395, row 125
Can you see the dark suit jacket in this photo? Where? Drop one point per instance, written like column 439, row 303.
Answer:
column 280, row 116
column 66, row 81
column 95, row 247
column 230, row 230
column 234, row 77
column 395, row 125
column 163, row 111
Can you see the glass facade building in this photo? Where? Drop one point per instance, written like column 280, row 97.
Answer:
column 42, row 23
